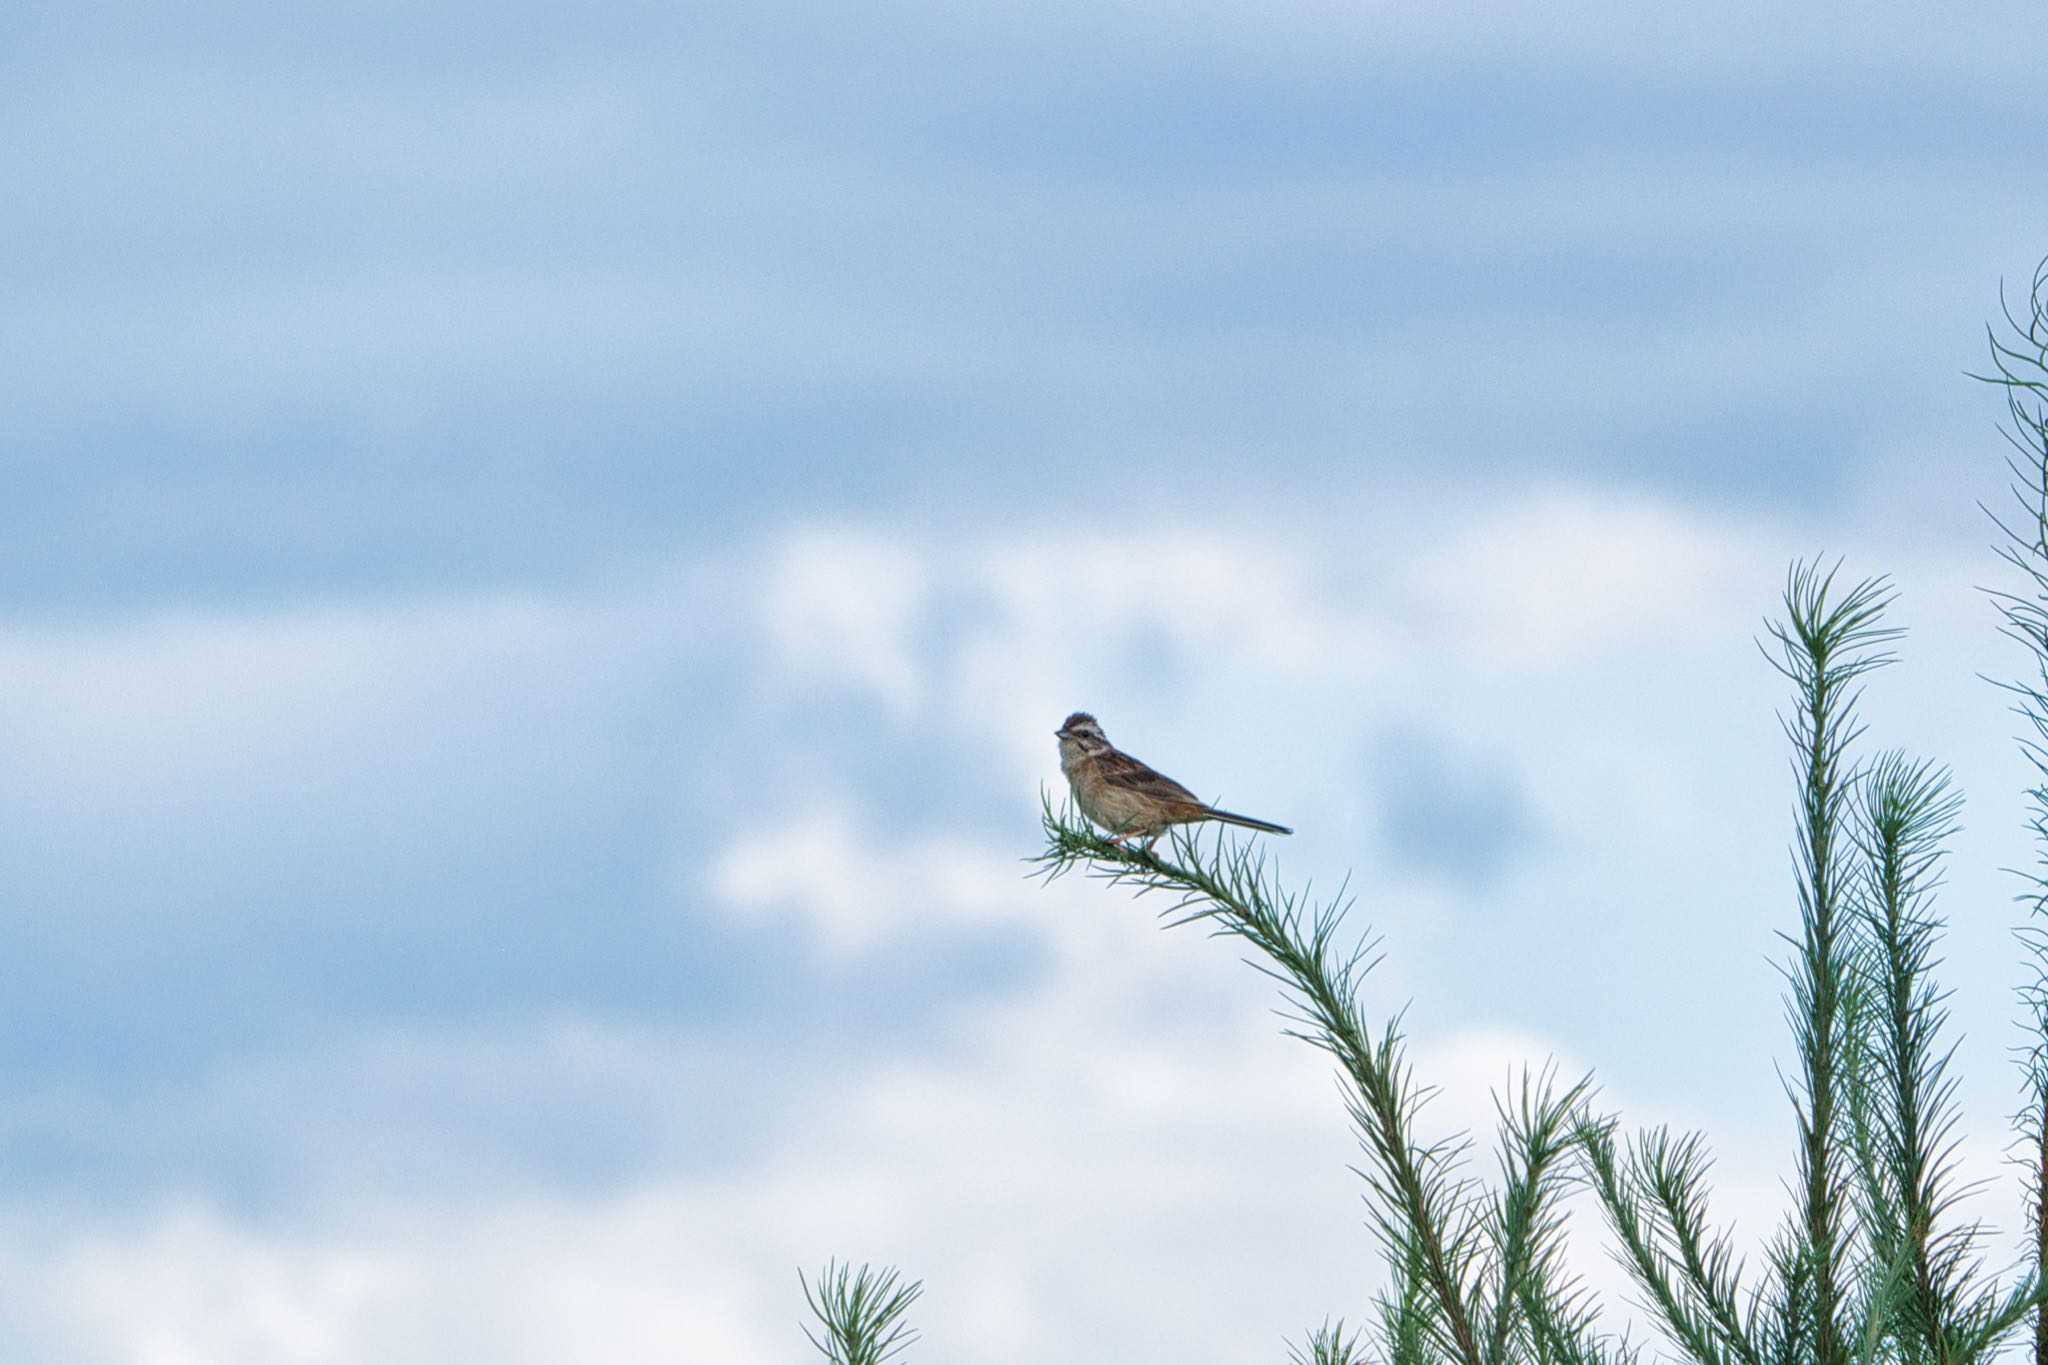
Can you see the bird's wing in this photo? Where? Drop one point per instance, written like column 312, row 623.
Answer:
column 1128, row 773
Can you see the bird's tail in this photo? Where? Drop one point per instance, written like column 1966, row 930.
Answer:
column 1232, row 818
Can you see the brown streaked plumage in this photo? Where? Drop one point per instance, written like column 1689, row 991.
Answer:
column 1126, row 797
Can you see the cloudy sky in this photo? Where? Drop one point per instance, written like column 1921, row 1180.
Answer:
column 542, row 546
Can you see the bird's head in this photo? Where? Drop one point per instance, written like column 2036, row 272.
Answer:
column 1080, row 736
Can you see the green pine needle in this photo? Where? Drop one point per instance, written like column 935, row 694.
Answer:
column 860, row 1313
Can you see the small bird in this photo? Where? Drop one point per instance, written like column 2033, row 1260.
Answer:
column 1124, row 796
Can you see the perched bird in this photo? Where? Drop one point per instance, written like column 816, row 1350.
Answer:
column 1124, row 796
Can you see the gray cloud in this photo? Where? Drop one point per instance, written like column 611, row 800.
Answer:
column 377, row 297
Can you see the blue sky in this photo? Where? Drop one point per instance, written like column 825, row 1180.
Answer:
column 543, row 547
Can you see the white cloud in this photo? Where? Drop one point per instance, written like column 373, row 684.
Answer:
column 1365, row 616
column 855, row 888
column 1073, row 1179
column 1565, row 574
column 188, row 1288
column 526, row 1283
column 132, row 714
column 841, row 606
column 1113, row 1158
column 1091, row 1189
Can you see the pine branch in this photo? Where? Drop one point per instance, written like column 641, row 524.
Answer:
column 1329, row 1344
column 1546, row 1316
column 1907, row 811
column 1631, row 1214
column 860, row 1314
column 1786, row 1333
column 1421, row 1203
column 2020, row 363
column 1402, row 1328
column 1527, row 1226
column 1825, row 643
column 1562, row 1330
column 1673, row 1174
column 2038, row 1177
